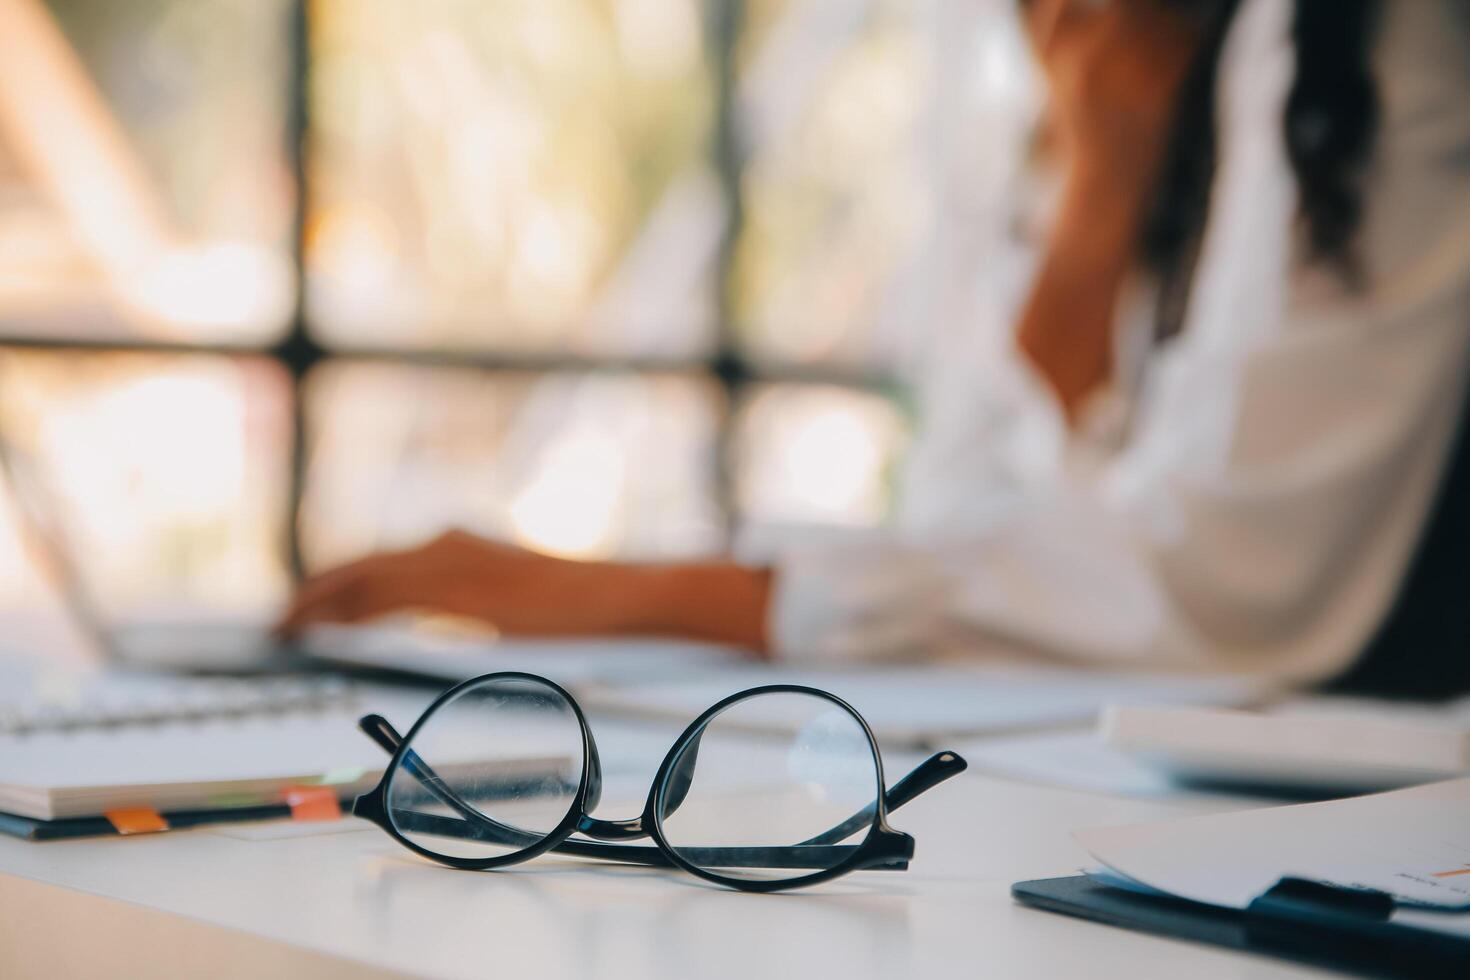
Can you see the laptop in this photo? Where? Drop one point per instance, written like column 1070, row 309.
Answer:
column 190, row 641
column 212, row 643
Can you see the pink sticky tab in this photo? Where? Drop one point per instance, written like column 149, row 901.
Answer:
column 309, row 803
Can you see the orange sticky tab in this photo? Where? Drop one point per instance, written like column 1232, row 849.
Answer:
column 136, row 820
column 313, row 803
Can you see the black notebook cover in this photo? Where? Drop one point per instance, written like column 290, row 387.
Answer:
column 1348, row 943
column 65, row 828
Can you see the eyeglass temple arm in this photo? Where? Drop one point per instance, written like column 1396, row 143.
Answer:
column 473, row 825
column 814, row 857
column 481, row 827
column 380, row 730
column 924, row 777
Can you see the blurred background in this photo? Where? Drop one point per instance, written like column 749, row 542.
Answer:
column 284, row 282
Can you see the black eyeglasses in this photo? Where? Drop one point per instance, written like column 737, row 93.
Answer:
column 503, row 768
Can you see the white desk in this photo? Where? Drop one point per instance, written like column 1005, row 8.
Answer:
column 344, row 900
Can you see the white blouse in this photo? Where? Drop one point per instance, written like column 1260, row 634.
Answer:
column 1249, row 494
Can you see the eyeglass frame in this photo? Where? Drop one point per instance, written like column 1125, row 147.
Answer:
column 882, row 849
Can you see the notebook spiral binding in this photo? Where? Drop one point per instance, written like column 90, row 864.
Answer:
column 179, row 701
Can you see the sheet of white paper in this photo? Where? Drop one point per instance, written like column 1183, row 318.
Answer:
column 1413, row 844
column 1448, row 714
column 921, row 705
column 572, row 663
column 1074, row 759
column 1455, row 925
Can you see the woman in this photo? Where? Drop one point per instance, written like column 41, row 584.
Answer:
column 1217, row 436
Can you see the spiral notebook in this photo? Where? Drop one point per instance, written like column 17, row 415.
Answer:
column 192, row 750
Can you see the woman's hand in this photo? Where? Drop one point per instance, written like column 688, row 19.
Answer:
column 523, row 593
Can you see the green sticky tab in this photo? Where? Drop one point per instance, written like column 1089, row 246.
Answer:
column 344, row 774
column 234, row 801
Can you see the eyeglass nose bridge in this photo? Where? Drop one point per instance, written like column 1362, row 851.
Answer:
column 612, row 830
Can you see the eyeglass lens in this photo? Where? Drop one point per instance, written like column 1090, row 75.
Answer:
column 776, row 808
column 490, row 772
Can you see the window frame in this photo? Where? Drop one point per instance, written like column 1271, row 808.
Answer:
column 298, row 352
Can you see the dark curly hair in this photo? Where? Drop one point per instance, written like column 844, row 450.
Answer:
column 1329, row 126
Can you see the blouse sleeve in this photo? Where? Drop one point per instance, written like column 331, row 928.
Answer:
column 1283, row 455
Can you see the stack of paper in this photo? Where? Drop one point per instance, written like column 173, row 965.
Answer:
column 1300, row 750
column 1412, row 845
column 926, row 705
